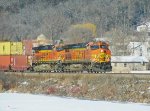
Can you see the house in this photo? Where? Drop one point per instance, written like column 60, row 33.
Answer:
column 125, row 64
column 144, row 27
column 139, row 49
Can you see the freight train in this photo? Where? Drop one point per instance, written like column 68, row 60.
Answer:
column 93, row 57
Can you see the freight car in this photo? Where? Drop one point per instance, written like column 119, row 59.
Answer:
column 90, row 57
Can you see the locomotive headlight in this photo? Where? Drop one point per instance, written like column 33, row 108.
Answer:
column 102, row 50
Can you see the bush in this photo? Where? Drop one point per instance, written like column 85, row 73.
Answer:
column 7, row 81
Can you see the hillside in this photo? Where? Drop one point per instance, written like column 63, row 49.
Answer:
column 29, row 18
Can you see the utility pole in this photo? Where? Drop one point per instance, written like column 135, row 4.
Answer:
column 136, row 48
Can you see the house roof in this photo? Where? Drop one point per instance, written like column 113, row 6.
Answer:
column 129, row 59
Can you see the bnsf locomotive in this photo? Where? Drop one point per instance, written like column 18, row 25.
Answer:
column 92, row 57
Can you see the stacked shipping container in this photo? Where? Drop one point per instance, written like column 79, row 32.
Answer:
column 16, row 48
column 4, row 62
column 19, row 62
column 4, row 48
column 14, row 55
column 11, row 48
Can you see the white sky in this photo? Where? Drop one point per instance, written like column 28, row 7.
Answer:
column 28, row 102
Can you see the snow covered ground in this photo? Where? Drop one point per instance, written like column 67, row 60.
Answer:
column 28, row 102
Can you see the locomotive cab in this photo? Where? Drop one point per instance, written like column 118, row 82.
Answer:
column 100, row 56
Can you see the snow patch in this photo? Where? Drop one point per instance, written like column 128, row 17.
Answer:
column 25, row 83
column 28, row 102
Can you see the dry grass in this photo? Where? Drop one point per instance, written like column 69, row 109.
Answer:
column 7, row 81
column 103, row 87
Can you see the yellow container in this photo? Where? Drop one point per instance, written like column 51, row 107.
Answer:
column 16, row 48
column 4, row 48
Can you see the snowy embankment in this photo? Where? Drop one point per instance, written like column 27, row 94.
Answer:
column 142, row 72
column 28, row 102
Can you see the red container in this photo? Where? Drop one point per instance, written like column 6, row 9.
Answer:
column 19, row 62
column 5, row 62
column 27, row 47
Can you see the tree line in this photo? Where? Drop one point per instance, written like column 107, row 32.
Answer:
column 21, row 19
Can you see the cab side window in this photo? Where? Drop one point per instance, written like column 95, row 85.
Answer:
column 94, row 47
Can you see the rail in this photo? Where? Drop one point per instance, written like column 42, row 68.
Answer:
column 75, row 73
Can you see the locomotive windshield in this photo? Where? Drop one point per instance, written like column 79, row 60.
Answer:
column 97, row 47
column 103, row 47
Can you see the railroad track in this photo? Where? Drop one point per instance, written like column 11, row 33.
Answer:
column 73, row 73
